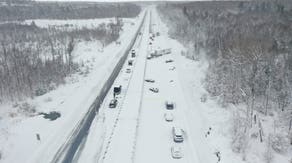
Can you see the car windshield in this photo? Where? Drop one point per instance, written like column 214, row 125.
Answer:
column 178, row 132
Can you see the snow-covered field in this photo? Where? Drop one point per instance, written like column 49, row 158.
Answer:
column 19, row 132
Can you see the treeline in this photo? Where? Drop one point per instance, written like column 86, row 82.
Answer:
column 249, row 49
column 13, row 10
column 36, row 60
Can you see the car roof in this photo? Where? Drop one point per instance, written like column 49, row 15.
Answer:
column 176, row 148
column 169, row 114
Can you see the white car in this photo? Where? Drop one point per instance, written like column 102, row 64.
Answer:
column 128, row 70
column 177, row 134
column 113, row 103
column 168, row 117
column 176, row 152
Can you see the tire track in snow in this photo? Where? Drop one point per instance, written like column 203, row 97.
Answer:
column 121, row 105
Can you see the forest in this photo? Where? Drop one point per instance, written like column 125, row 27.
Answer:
column 248, row 49
column 22, row 10
column 35, row 60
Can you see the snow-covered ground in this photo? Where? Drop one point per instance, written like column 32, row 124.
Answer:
column 18, row 140
column 136, row 130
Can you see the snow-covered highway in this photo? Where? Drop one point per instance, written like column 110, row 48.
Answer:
column 155, row 133
column 136, row 130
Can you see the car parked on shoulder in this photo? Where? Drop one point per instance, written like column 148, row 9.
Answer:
column 168, row 117
column 155, row 90
column 177, row 134
column 113, row 103
column 176, row 152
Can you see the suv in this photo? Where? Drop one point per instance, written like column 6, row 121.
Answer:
column 117, row 89
column 177, row 134
column 169, row 105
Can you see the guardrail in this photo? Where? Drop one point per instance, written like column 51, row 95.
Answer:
column 67, row 152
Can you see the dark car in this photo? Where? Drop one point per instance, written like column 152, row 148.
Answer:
column 117, row 89
column 113, row 103
column 133, row 53
column 168, row 61
column 150, row 80
column 130, row 62
column 169, row 105
column 155, row 90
